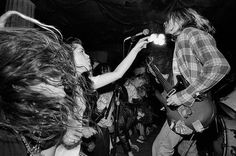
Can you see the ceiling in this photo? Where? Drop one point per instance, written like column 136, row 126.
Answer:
column 102, row 25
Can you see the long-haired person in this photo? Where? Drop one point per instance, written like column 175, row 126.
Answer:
column 198, row 60
column 38, row 86
column 84, row 68
column 102, row 114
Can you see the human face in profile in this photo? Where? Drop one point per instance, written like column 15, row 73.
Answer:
column 172, row 26
column 82, row 60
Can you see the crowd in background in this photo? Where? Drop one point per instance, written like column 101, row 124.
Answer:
column 53, row 101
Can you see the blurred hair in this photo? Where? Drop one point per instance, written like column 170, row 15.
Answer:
column 73, row 40
column 9, row 13
column 29, row 57
column 190, row 17
column 90, row 96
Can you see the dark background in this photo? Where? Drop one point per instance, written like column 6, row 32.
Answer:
column 103, row 25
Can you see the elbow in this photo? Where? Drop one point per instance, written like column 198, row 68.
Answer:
column 223, row 67
column 119, row 76
column 228, row 68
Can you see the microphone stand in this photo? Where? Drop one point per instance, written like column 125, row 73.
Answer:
column 123, row 47
column 116, row 118
column 132, row 39
column 131, row 43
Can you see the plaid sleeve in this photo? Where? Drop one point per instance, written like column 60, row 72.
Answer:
column 214, row 66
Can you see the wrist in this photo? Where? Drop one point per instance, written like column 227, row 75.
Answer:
column 135, row 51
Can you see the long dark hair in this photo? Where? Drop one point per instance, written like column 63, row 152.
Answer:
column 29, row 57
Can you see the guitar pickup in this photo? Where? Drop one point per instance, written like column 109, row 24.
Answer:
column 197, row 125
column 184, row 111
column 173, row 91
column 163, row 109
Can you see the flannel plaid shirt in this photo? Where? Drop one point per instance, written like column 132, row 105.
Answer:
column 199, row 61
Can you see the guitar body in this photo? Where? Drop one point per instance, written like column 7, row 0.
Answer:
column 197, row 116
column 202, row 114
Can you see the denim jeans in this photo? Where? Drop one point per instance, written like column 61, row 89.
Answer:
column 166, row 141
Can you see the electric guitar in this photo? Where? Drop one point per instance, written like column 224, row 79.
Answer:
column 196, row 116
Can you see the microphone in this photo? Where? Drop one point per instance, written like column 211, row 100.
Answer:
column 144, row 32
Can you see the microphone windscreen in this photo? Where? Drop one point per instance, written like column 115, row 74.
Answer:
column 146, row 32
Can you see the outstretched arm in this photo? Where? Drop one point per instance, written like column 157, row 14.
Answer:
column 104, row 79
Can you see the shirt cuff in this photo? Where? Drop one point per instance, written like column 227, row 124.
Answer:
column 185, row 98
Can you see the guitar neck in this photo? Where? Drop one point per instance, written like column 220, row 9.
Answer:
column 166, row 85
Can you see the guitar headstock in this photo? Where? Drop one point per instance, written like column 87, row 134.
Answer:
column 149, row 60
column 151, row 66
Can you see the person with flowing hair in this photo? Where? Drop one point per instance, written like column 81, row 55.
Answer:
column 61, row 74
column 39, row 87
column 84, row 69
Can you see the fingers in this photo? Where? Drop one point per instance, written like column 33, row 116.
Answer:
column 142, row 44
column 144, row 38
column 135, row 147
column 88, row 132
column 143, row 41
column 78, row 134
column 105, row 123
column 173, row 100
column 70, row 139
column 72, row 136
column 170, row 101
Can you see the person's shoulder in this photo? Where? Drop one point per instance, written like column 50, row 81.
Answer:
column 194, row 34
column 187, row 33
column 191, row 31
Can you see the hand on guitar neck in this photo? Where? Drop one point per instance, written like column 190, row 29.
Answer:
column 196, row 117
column 165, row 76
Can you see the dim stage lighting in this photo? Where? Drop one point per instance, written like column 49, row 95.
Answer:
column 158, row 39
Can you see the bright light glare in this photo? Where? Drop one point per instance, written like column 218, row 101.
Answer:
column 158, row 39
column 152, row 37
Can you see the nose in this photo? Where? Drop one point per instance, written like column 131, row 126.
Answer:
column 87, row 56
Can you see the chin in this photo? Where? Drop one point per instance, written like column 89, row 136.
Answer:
column 90, row 67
